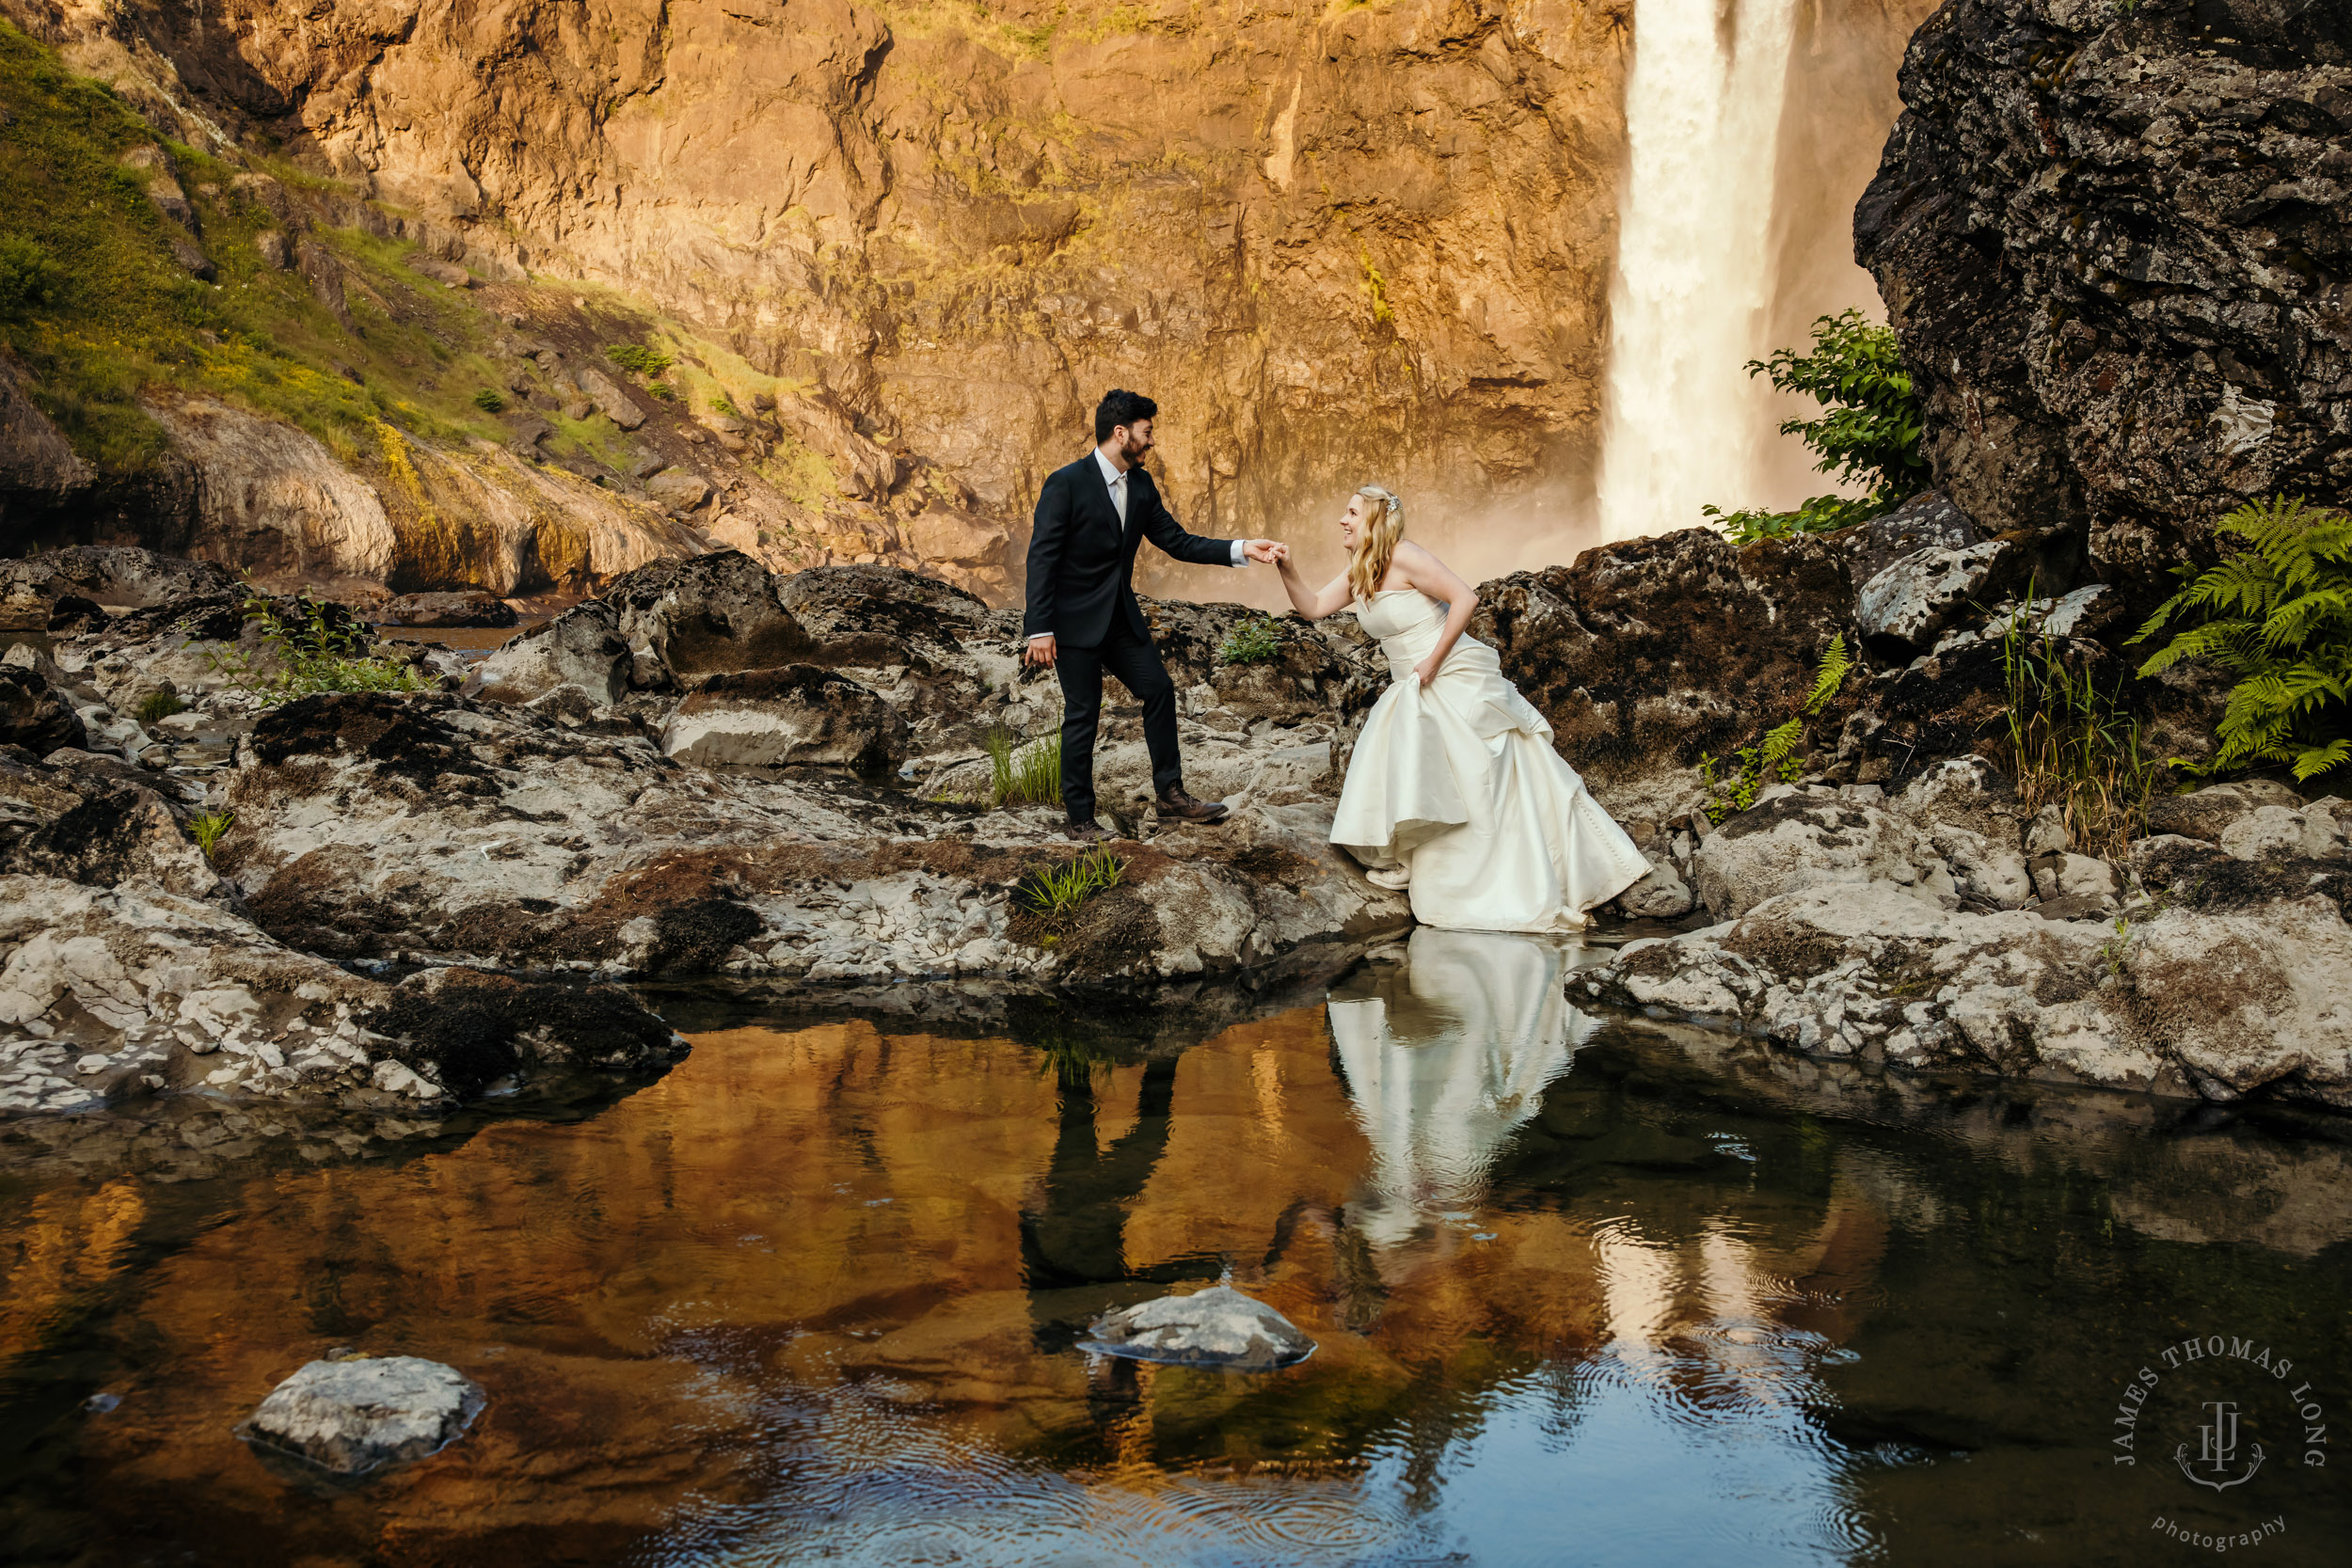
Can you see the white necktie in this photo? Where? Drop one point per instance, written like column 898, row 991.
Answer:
column 1119, row 499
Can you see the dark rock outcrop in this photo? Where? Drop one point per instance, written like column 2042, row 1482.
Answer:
column 2114, row 248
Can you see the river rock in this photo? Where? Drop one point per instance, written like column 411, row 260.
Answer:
column 122, row 575
column 1217, row 1327
column 35, row 715
column 349, row 1417
column 796, row 714
column 711, row 614
column 447, row 609
column 677, row 489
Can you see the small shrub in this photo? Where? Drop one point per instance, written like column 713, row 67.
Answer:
column 28, row 278
column 311, row 655
column 1053, row 892
column 2277, row 613
column 1253, row 642
column 160, row 704
column 1869, row 433
column 488, row 400
column 721, row 404
column 637, row 357
column 662, row 390
column 1775, row 756
column 2071, row 745
column 1024, row 775
column 208, row 827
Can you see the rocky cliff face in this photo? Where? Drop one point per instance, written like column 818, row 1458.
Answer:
column 1336, row 243
column 2114, row 248
column 1371, row 241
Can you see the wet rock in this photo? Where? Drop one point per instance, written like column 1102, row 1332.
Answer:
column 35, row 715
column 350, row 1416
column 462, row 1029
column 1662, row 895
column 796, row 714
column 447, row 609
column 1215, row 1327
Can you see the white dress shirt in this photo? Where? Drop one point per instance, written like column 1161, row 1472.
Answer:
column 1116, row 477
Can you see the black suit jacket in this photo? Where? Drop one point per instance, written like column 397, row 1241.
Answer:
column 1082, row 560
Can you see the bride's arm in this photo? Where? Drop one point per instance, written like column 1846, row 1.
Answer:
column 1422, row 570
column 1313, row 603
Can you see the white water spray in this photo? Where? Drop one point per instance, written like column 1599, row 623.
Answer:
column 1684, row 425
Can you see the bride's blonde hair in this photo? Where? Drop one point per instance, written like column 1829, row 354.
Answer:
column 1377, row 540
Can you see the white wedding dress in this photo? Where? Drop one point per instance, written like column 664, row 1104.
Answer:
column 1456, row 786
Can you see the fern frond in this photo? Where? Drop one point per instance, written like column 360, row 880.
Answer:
column 1830, row 675
column 2312, row 761
column 1779, row 742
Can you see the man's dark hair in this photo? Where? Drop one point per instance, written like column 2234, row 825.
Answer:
column 1120, row 407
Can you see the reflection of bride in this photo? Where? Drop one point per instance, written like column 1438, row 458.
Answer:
column 1443, row 1068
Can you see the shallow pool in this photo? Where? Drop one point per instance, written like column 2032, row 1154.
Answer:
column 1585, row 1291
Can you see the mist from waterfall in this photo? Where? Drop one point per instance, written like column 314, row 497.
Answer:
column 1692, row 299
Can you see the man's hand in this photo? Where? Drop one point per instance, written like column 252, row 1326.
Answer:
column 1040, row 652
column 1265, row 552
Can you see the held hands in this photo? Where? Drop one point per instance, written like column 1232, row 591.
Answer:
column 1040, row 652
column 1265, row 552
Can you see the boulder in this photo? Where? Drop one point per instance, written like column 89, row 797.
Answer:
column 1662, row 895
column 581, row 647
column 609, row 396
column 1217, row 1327
column 1928, row 521
column 677, row 489
column 122, row 575
column 710, row 614
column 1805, row 840
column 941, row 535
column 35, row 715
column 796, row 714
column 110, row 835
column 2207, row 813
column 463, row 609
column 2214, row 1001
column 447, row 274
column 1909, row 604
column 349, row 1417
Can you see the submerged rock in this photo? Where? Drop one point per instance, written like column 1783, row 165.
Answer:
column 350, row 1416
column 1215, row 1327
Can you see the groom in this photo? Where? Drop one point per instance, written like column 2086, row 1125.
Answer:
column 1082, row 619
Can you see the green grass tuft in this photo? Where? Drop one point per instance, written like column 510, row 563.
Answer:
column 1053, row 892
column 1020, row 774
column 208, row 827
column 160, row 704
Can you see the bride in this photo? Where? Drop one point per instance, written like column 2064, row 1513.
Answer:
column 1455, row 790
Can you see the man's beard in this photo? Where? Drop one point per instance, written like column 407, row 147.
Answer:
column 1131, row 453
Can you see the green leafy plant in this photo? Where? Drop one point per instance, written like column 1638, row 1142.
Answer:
column 1869, row 433
column 488, row 400
column 2277, row 613
column 1055, row 892
column 207, row 829
column 1775, row 756
column 1253, row 642
column 28, row 278
column 721, row 404
column 1019, row 774
column 662, row 390
column 2074, row 745
column 160, row 704
column 311, row 652
column 644, row 362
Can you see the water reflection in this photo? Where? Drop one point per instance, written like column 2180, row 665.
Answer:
column 1585, row 1292
column 1448, row 1055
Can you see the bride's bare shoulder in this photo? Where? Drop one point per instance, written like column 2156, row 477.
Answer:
column 1417, row 562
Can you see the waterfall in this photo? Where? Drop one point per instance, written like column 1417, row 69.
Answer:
column 1683, row 424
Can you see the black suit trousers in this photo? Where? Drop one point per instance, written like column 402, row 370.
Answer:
column 1135, row 665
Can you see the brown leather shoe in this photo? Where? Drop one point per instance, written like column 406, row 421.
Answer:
column 1181, row 806
column 1088, row 833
